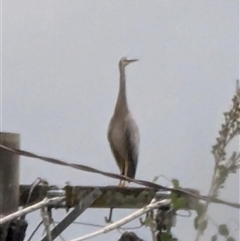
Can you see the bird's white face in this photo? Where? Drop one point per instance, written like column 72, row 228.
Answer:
column 124, row 61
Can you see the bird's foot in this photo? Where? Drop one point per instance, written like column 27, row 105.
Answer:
column 122, row 184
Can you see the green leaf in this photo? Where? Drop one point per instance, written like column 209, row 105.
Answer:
column 165, row 237
column 155, row 178
column 148, row 221
column 200, row 208
column 174, row 198
column 179, row 203
column 223, row 230
column 196, row 222
column 214, row 237
column 175, row 183
column 230, row 239
column 202, row 226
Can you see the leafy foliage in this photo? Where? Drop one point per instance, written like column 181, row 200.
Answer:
column 165, row 237
column 202, row 226
column 175, row 183
column 178, row 201
column 230, row 239
column 224, row 232
column 223, row 165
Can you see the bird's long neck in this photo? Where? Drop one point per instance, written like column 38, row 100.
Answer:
column 121, row 105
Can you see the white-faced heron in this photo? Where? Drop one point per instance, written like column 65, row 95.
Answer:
column 123, row 134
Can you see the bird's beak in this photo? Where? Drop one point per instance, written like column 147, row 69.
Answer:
column 132, row 60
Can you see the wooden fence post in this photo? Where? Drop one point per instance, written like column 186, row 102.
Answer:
column 9, row 176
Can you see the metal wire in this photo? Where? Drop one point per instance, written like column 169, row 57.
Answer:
column 34, row 231
column 102, row 226
column 115, row 176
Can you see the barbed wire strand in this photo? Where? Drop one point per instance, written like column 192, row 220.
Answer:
column 113, row 175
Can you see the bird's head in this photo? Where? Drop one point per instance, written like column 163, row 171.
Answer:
column 124, row 61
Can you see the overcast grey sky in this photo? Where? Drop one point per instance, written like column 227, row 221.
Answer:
column 60, row 83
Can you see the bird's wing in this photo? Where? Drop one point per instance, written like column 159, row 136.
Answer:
column 132, row 141
column 117, row 155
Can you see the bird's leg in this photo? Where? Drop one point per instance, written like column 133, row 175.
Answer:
column 120, row 183
column 125, row 172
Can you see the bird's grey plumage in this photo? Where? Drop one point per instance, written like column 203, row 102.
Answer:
column 123, row 134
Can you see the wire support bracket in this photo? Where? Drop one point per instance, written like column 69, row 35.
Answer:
column 84, row 203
